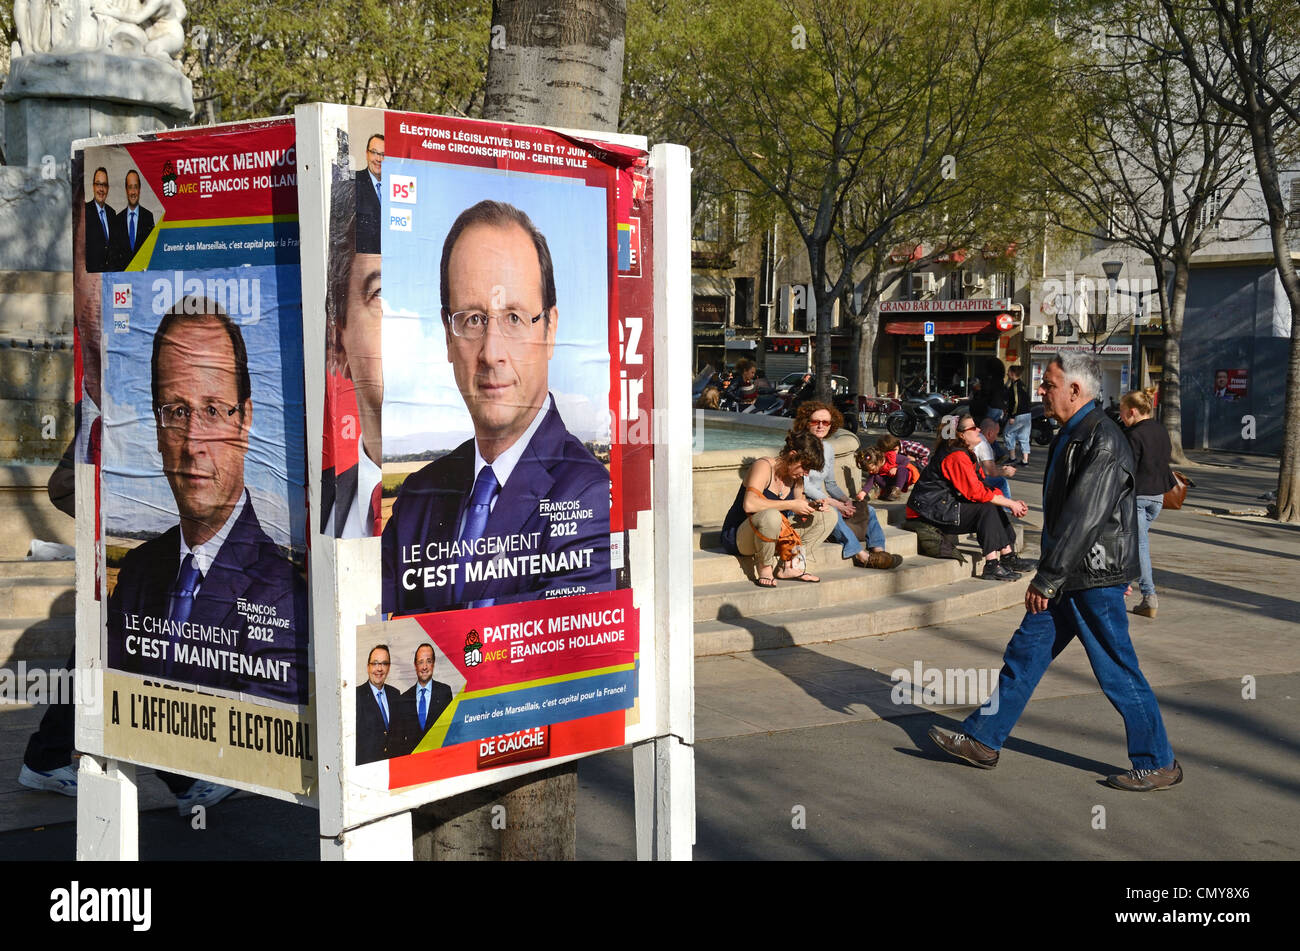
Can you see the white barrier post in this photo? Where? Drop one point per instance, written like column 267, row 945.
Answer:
column 664, row 768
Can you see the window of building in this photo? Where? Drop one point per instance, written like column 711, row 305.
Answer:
column 742, row 216
column 1208, row 218
column 799, row 304
column 744, row 294
column 956, row 289
column 1002, row 284
column 1293, row 207
column 705, row 225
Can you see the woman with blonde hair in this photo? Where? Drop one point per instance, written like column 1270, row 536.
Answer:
column 1151, row 451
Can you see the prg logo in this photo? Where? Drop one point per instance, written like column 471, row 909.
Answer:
column 402, row 188
column 399, row 219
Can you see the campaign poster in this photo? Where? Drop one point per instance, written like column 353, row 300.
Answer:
column 1231, row 384
column 498, row 368
column 201, row 446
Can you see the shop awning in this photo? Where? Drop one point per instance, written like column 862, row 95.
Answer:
column 916, row 327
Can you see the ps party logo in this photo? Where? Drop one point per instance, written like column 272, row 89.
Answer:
column 402, row 188
column 169, row 180
column 473, row 649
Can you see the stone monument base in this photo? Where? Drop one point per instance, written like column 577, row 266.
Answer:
column 52, row 99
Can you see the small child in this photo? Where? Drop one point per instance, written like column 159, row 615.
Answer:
column 897, row 471
column 870, row 461
column 918, row 453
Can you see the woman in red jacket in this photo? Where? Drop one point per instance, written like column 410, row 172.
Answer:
column 951, row 496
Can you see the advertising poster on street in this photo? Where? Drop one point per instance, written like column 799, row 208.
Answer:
column 1231, row 384
column 489, row 420
column 202, row 453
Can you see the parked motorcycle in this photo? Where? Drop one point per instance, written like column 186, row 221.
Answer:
column 802, row 389
column 925, row 414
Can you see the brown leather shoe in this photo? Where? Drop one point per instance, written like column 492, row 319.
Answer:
column 880, row 559
column 964, row 747
column 892, row 495
column 1147, row 780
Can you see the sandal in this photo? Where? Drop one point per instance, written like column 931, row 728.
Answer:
column 805, row 578
column 765, row 582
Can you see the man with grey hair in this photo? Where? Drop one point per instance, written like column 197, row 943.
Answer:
column 1089, row 554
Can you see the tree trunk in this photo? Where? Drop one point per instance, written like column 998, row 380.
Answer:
column 556, row 64
column 868, row 336
column 1288, row 479
column 532, row 817
column 1171, row 391
column 825, row 308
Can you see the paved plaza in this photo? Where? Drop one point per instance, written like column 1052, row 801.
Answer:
column 803, row 754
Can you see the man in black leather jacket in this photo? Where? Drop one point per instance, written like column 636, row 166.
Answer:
column 1089, row 554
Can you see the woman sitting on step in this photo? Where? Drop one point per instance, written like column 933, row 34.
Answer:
column 819, row 484
column 951, row 496
column 757, row 524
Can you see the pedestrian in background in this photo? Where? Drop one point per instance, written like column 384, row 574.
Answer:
column 1151, row 451
column 1021, row 416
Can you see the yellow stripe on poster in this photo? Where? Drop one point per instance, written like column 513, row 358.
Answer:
column 437, row 733
column 214, row 222
column 141, row 260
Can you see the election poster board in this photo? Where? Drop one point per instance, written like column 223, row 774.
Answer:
column 186, row 249
column 486, row 441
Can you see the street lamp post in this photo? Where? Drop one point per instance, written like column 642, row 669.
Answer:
column 1113, row 269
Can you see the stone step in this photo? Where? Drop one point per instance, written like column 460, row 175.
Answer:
column 26, row 511
column 711, row 565
column 24, row 568
column 840, row 585
column 885, row 614
column 37, row 597
column 36, row 639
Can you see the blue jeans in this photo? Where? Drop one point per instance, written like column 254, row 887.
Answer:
column 844, row 534
column 1017, row 431
column 1096, row 616
column 999, row 482
column 1149, row 507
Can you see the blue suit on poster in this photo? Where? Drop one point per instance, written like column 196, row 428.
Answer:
column 547, row 534
column 249, row 571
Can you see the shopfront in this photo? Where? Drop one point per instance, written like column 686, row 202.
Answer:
column 791, row 353
column 1116, row 363
column 969, row 337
